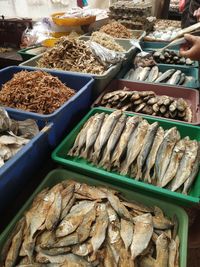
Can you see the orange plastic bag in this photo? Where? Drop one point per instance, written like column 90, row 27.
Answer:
column 181, row 5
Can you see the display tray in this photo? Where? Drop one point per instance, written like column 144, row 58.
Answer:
column 60, row 175
column 80, row 165
column 193, row 72
column 190, row 95
column 63, row 116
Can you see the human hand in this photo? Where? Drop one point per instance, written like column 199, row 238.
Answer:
column 197, row 14
column 192, row 49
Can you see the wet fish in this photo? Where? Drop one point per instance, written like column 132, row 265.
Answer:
column 112, row 141
column 104, row 134
column 136, row 142
column 92, row 133
column 162, row 253
column 144, row 74
column 136, row 74
column 165, row 76
column 165, row 151
column 129, row 74
column 175, row 78
column 143, row 231
column 172, row 168
column 193, row 173
column 153, row 74
column 100, row 228
column 120, row 150
column 186, row 165
column 147, row 144
column 126, row 232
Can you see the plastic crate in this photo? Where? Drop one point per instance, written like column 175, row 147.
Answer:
column 59, row 175
column 18, row 170
column 84, row 167
column 190, row 95
column 194, row 72
column 26, row 56
column 156, row 45
column 101, row 81
column 68, row 112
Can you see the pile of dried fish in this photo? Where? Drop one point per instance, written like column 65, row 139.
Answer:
column 74, row 225
column 148, row 102
column 35, row 91
column 106, row 41
column 133, row 147
column 71, row 55
column 171, row 57
column 14, row 135
column 152, row 74
column 116, row 30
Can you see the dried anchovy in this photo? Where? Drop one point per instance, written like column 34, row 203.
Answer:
column 116, row 29
column 107, row 41
column 71, row 55
column 35, row 91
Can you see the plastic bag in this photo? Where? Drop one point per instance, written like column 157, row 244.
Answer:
column 5, row 121
column 104, row 55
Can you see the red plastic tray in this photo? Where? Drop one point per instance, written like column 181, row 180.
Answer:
column 190, row 95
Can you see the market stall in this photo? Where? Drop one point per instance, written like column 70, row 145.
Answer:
column 99, row 139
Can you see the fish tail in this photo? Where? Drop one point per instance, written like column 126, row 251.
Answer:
column 124, row 170
column 71, row 152
column 95, row 157
column 84, row 153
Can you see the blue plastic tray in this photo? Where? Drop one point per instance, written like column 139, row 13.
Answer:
column 18, row 170
column 156, row 45
column 68, row 112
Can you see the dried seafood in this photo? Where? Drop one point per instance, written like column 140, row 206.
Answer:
column 107, row 41
column 75, row 224
column 35, row 91
column 14, row 135
column 71, row 55
column 134, row 148
column 116, row 30
column 147, row 102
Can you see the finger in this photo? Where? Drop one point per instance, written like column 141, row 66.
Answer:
column 190, row 38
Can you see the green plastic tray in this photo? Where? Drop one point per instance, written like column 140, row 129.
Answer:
column 26, row 56
column 84, row 167
column 59, row 175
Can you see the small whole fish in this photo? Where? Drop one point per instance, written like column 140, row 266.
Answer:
column 144, row 74
column 106, row 130
column 172, row 168
column 136, row 141
column 186, row 165
column 165, row 151
column 148, row 141
column 92, row 133
column 162, row 253
column 135, row 75
column 175, row 78
column 165, row 76
column 153, row 74
column 126, row 232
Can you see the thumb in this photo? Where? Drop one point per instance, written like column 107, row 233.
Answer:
column 190, row 38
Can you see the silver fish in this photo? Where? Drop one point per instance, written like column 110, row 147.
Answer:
column 92, row 133
column 143, row 231
column 153, row 74
column 175, row 78
column 172, row 168
column 144, row 74
column 186, row 165
column 135, row 145
column 113, row 139
column 193, row 173
column 165, row 151
column 147, row 144
column 136, row 74
column 104, row 134
column 129, row 74
column 120, row 150
column 165, row 76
